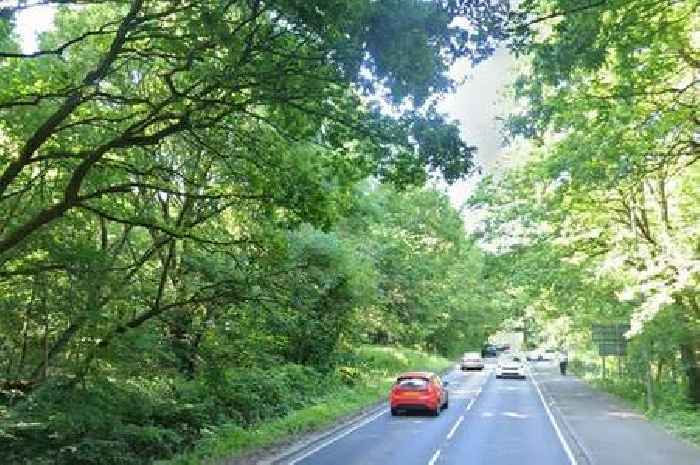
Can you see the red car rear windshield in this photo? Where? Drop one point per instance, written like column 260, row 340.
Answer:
column 412, row 383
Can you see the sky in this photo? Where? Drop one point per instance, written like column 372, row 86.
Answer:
column 476, row 103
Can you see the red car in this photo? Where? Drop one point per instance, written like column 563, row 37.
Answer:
column 419, row 390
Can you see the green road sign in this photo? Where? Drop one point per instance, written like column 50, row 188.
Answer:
column 610, row 338
column 612, row 348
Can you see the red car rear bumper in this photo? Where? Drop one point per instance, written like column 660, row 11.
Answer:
column 414, row 403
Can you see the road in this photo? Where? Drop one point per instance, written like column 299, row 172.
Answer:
column 489, row 421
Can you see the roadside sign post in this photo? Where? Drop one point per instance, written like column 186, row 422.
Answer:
column 604, row 371
column 611, row 342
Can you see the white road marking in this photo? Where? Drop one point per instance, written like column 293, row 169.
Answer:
column 471, row 402
column 434, row 458
column 478, row 393
column 339, row 436
column 566, row 447
column 454, row 428
column 515, row 415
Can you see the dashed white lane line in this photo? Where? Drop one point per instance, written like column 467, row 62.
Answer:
column 434, row 458
column 477, row 394
column 572, row 459
column 469, row 407
column 471, row 402
column 454, row 428
column 459, row 421
column 339, row 436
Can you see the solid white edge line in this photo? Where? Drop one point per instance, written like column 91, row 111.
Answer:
column 434, row 458
column 564, row 444
column 337, row 437
column 454, row 428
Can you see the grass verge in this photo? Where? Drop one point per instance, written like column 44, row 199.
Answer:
column 371, row 376
column 682, row 423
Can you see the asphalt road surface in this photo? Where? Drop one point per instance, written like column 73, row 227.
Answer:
column 489, row 422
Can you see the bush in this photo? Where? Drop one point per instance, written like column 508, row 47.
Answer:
column 106, row 423
column 137, row 421
column 251, row 395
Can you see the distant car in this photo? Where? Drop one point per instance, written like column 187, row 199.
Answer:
column 510, row 366
column 536, row 355
column 419, row 390
column 472, row 361
column 489, row 350
column 549, row 355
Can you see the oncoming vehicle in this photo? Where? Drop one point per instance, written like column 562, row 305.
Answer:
column 510, row 366
column 489, row 350
column 472, row 361
column 536, row 355
column 549, row 355
column 419, row 390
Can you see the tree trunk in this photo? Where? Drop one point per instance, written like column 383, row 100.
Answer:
column 45, row 343
column 692, row 370
column 648, row 379
column 659, row 370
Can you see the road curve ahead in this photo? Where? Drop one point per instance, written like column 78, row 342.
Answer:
column 489, row 422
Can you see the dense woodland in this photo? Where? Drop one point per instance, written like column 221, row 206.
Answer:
column 208, row 206
column 205, row 211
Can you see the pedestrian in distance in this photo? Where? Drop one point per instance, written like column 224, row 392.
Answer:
column 563, row 362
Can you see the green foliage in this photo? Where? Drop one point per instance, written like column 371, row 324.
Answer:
column 247, row 334
column 119, row 107
column 428, row 272
column 138, row 420
column 171, row 177
column 681, row 422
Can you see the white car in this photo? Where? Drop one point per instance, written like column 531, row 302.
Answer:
column 472, row 361
column 549, row 355
column 536, row 355
column 510, row 366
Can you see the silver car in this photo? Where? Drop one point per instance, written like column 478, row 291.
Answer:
column 472, row 361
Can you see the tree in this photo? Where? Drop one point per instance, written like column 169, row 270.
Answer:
column 116, row 84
